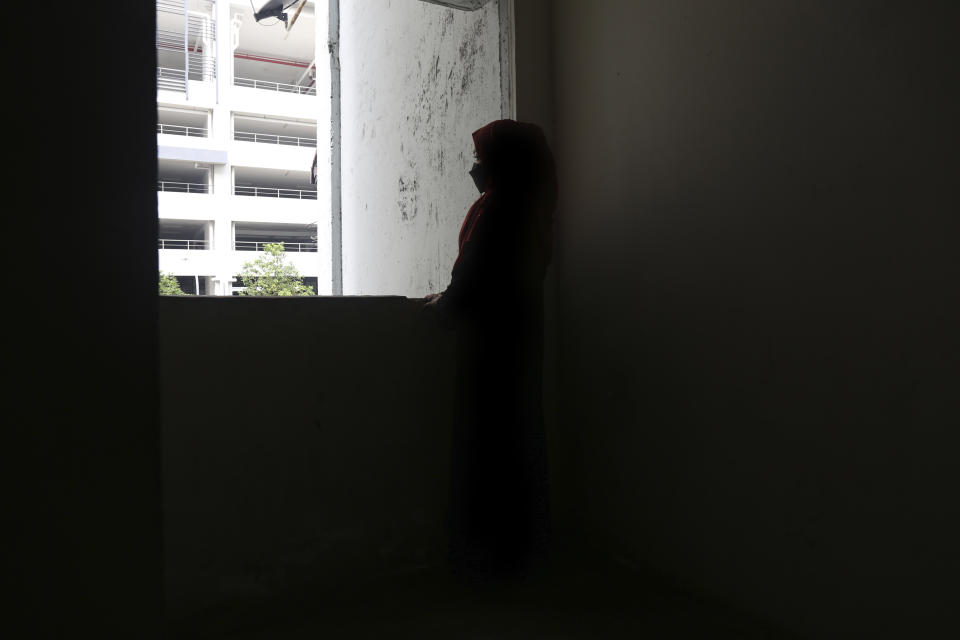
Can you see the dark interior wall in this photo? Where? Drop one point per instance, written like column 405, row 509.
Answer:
column 80, row 352
column 305, row 444
column 533, row 62
column 534, row 73
column 758, row 287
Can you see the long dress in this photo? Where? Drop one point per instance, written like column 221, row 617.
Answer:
column 498, row 520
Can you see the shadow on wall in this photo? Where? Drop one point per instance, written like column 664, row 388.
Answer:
column 302, row 446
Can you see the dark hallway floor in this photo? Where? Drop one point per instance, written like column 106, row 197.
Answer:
column 572, row 600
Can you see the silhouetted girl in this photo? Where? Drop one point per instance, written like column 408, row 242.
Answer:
column 498, row 517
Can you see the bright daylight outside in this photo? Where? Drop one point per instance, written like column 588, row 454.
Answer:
column 237, row 132
column 320, row 148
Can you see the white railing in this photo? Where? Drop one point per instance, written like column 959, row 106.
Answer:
column 182, row 187
column 268, row 138
column 200, row 69
column 170, row 6
column 275, row 86
column 171, row 79
column 289, row 247
column 188, row 245
column 274, row 192
column 177, row 130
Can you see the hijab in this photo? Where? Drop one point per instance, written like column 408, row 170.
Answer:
column 516, row 165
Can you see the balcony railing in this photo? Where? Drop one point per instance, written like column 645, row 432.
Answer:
column 275, row 86
column 182, row 187
column 171, row 79
column 188, row 245
column 273, row 192
column 177, row 130
column 290, row 247
column 267, row 138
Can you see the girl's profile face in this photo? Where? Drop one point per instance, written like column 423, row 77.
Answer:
column 479, row 177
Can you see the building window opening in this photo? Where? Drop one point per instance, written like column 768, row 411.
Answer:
column 185, row 38
column 271, row 57
column 273, row 183
column 183, row 176
column 238, row 124
column 185, row 235
column 184, row 247
column 272, row 131
column 350, row 118
column 183, row 122
column 294, row 238
column 194, row 285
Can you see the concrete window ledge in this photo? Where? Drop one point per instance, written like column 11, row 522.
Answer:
column 301, row 438
column 287, row 298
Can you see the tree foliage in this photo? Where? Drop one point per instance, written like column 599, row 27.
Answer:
column 169, row 286
column 270, row 275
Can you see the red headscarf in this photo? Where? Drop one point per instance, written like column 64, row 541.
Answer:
column 513, row 155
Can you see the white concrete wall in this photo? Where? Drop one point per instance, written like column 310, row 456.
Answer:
column 274, row 103
column 207, row 144
column 280, row 210
column 271, row 156
column 417, row 80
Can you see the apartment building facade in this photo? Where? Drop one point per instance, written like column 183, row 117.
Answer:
column 238, row 120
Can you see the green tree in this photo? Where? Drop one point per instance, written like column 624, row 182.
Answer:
column 270, row 275
column 169, row 285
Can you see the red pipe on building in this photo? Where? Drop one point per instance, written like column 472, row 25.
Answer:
column 290, row 63
column 247, row 56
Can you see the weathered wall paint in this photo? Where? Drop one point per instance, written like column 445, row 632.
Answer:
column 417, row 80
column 469, row 5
